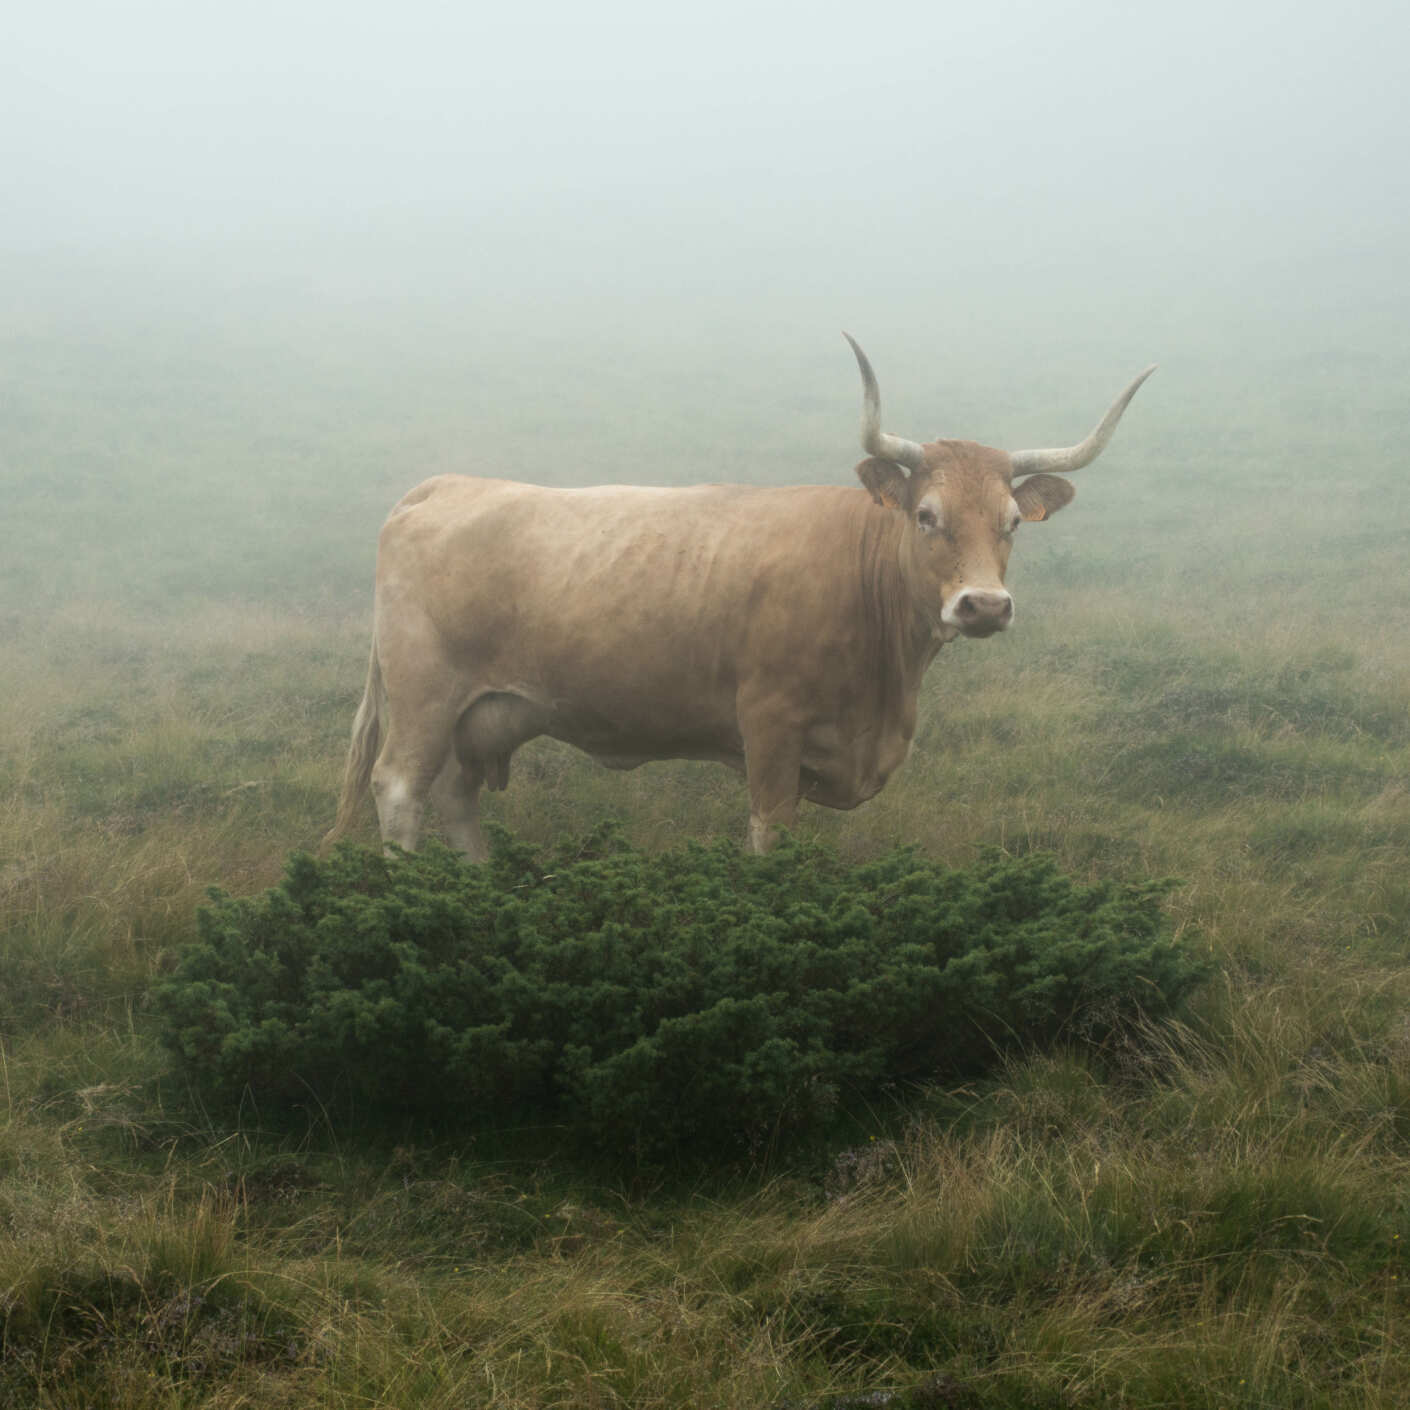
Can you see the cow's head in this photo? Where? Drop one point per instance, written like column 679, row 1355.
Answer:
column 962, row 503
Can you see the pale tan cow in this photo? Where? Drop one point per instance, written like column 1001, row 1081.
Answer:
column 782, row 631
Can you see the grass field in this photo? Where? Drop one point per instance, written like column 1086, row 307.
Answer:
column 1209, row 678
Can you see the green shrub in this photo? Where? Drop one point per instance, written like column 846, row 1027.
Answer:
column 696, row 1002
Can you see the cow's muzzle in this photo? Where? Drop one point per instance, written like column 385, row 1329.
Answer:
column 979, row 611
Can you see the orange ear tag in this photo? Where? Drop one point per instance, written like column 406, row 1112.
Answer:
column 1040, row 511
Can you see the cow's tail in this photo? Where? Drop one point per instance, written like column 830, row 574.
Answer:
column 362, row 751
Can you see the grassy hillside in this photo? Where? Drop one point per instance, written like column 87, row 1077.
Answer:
column 1208, row 678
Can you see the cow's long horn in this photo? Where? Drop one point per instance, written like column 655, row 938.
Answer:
column 875, row 441
column 1058, row 462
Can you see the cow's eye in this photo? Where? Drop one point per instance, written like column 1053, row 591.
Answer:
column 1013, row 524
column 926, row 517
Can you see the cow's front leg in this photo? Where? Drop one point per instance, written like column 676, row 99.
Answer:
column 772, row 758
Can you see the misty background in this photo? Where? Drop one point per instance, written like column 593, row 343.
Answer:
column 267, row 267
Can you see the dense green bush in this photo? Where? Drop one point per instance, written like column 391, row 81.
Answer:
column 696, row 1002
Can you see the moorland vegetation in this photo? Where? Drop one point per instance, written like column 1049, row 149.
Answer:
column 1208, row 680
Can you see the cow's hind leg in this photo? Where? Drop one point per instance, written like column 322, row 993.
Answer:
column 401, row 781
column 457, row 798
column 413, row 755
column 486, row 736
column 425, row 694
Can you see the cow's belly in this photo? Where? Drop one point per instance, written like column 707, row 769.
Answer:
column 498, row 721
column 629, row 743
column 839, row 773
column 635, row 761
column 839, row 768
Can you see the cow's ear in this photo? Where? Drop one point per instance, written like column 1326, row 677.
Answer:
column 886, row 483
column 1041, row 496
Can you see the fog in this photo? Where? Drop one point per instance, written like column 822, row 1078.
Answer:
column 273, row 252
column 737, row 151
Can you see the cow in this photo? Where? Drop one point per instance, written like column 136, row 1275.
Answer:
column 783, row 631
